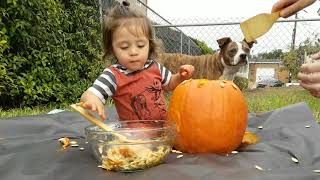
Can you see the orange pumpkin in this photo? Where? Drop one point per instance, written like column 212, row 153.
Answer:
column 210, row 116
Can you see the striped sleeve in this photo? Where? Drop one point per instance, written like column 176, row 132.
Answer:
column 165, row 74
column 105, row 86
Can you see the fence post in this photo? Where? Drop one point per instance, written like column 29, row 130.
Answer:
column 189, row 45
column 181, row 42
column 294, row 33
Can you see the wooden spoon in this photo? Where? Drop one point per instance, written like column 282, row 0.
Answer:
column 102, row 125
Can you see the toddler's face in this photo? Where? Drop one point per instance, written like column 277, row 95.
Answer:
column 130, row 49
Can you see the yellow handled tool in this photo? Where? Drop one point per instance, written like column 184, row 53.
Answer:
column 258, row 25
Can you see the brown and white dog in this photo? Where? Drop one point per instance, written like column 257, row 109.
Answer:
column 224, row 64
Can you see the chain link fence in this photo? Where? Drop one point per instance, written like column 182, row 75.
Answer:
column 179, row 35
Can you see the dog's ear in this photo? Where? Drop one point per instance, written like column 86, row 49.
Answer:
column 250, row 44
column 223, row 41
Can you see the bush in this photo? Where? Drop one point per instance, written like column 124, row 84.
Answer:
column 241, row 82
column 49, row 51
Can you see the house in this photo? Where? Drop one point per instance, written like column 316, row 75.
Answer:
column 259, row 69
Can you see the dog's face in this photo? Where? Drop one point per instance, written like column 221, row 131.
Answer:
column 234, row 53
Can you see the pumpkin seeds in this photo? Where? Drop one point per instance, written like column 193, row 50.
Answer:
column 316, row 170
column 258, row 167
column 175, row 151
column 260, row 127
column 202, row 82
column 73, row 142
column 307, row 126
column 81, row 149
column 179, row 156
column 234, row 152
column 65, row 142
column 294, row 159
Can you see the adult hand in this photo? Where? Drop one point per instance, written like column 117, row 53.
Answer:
column 289, row 7
column 310, row 76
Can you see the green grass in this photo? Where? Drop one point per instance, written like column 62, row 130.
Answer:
column 268, row 99
column 259, row 100
column 27, row 111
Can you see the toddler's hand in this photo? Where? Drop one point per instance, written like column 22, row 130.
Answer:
column 95, row 107
column 186, row 71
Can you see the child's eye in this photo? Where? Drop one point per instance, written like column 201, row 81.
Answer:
column 124, row 47
column 140, row 45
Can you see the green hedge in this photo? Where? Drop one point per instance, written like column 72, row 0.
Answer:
column 241, row 82
column 49, row 50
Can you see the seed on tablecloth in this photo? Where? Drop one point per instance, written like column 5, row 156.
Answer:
column 316, row 170
column 179, row 156
column 294, row 159
column 73, row 142
column 86, row 142
column 175, row 151
column 74, row 145
column 307, row 126
column 258, row 167
column 260, row 127
column 81, row 149
column 234, row 152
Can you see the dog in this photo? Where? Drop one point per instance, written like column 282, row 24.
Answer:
column 223, row 64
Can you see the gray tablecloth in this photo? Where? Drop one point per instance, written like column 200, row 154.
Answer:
column 29, row 150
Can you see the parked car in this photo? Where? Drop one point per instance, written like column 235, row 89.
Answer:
column 270, row 82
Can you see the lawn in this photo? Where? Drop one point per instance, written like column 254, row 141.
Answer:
column 259, row 100
column 267, row 99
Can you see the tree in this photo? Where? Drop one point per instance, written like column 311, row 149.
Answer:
column 205, row 49
column 291, row 62
column 274, row 54
column 294, row 58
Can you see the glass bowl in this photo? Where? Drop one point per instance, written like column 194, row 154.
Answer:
column 152, row 142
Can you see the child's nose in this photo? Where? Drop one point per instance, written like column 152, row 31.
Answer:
column 133, row 51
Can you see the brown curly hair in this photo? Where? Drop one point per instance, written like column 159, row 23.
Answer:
column 122, row 15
